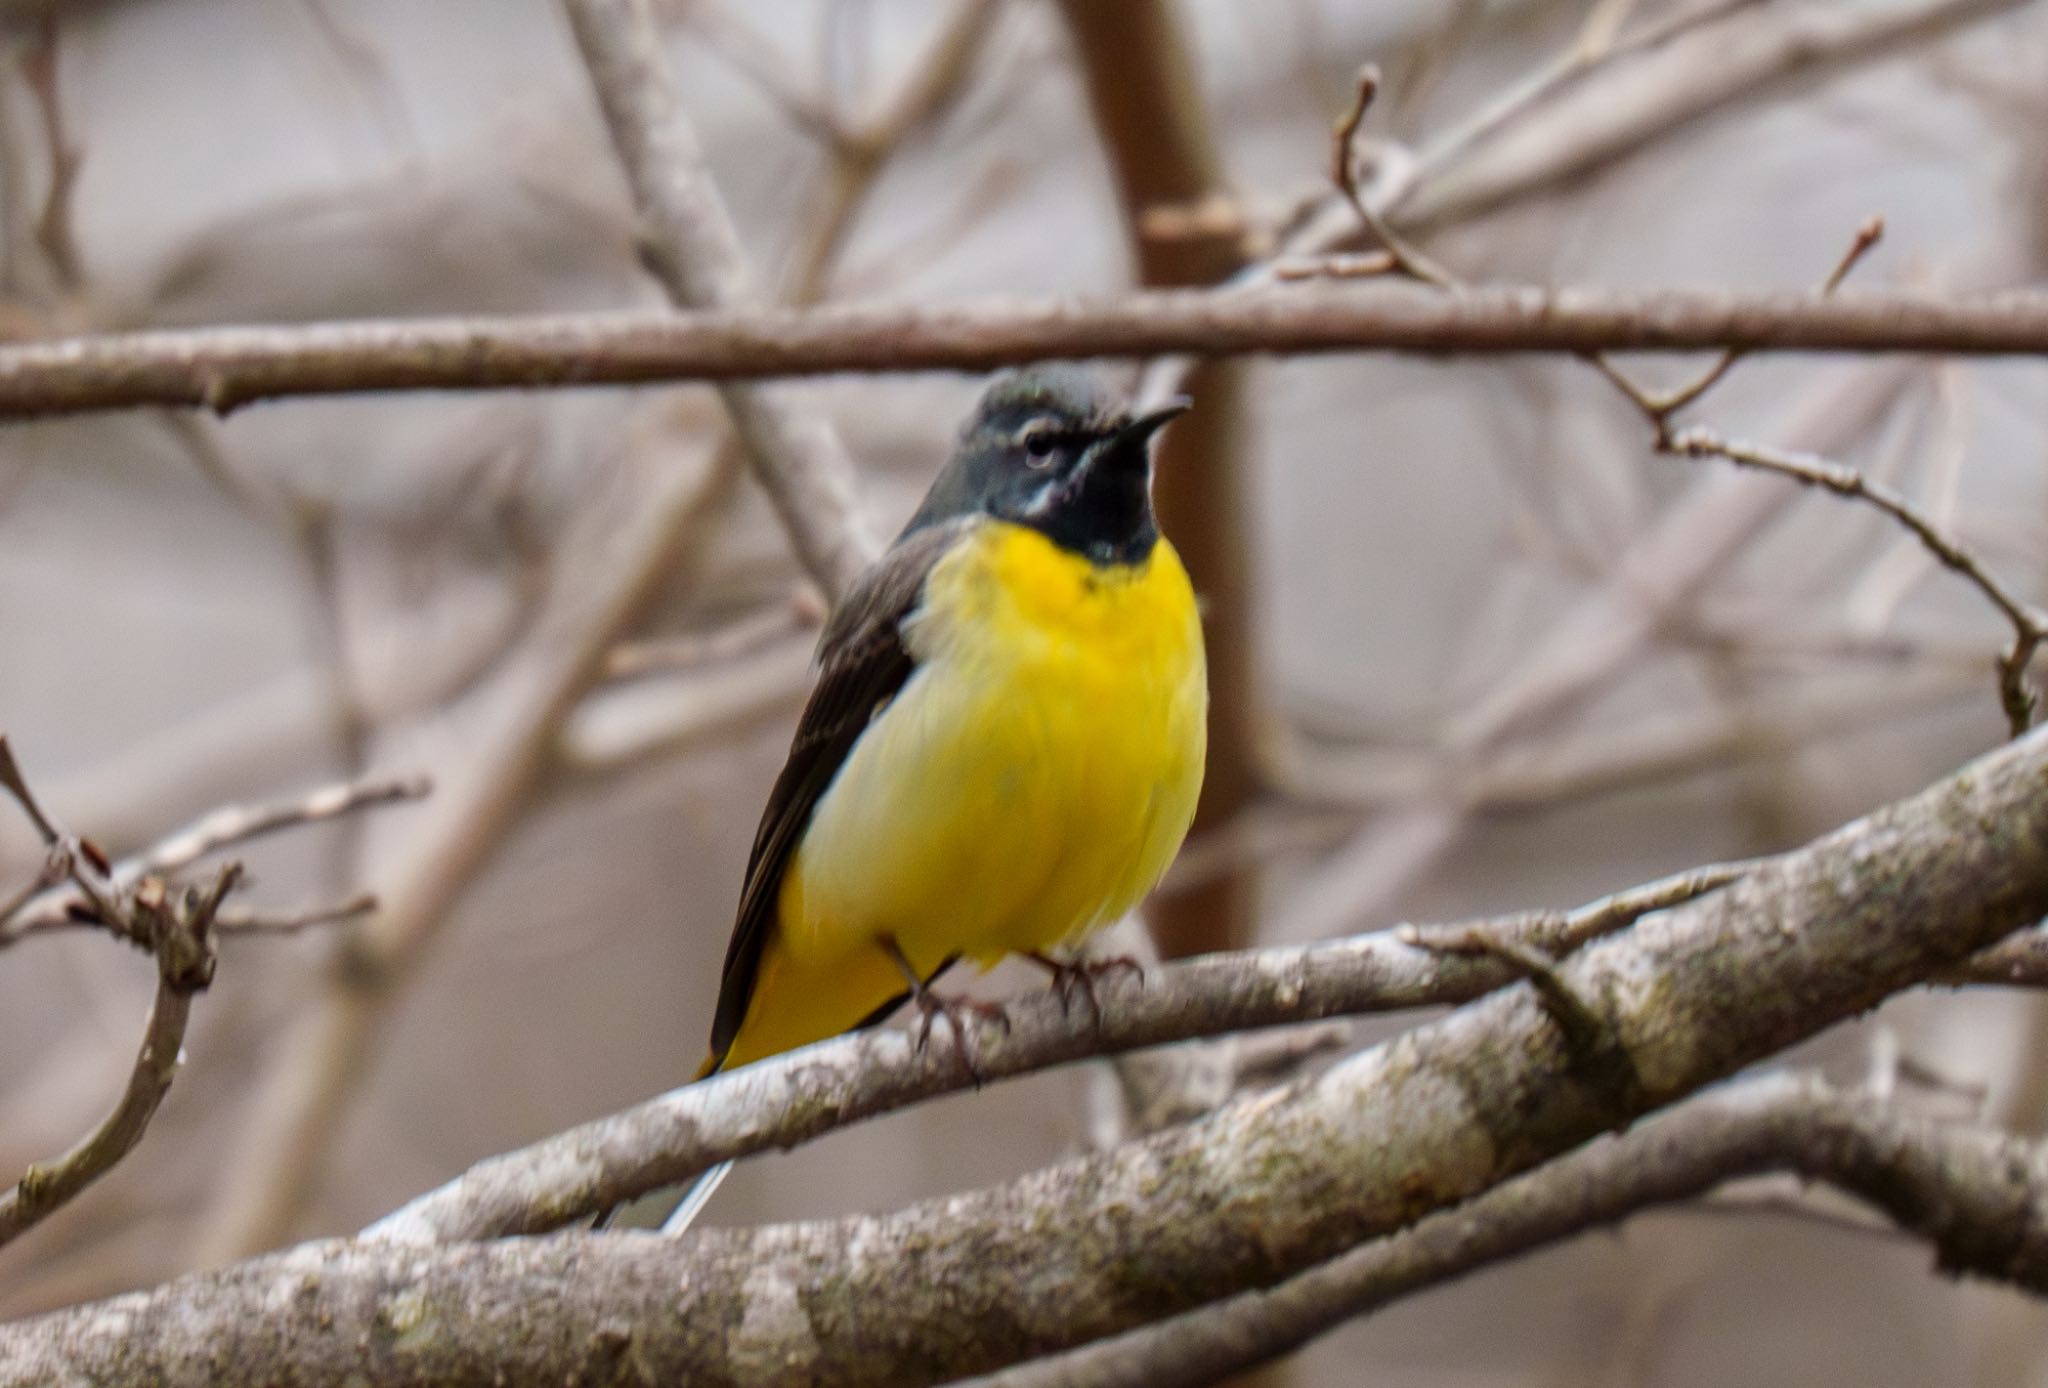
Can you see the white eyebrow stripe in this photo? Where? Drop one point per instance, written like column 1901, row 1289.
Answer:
column 1042, row 499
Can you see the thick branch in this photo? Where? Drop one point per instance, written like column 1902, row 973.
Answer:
column 782, row 1102
column 1258, row 1193
column 1979, row 1195
column 222, row 368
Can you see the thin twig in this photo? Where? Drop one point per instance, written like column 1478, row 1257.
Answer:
column 2029, row 623
column 181, row 926
column 79, row 902
column 1344, row 173
column 16, row 785
column 48, row 1185
column 56, row 231
column 2018, row 961
column 1659, row 407
column 233, row 922
column 1556, row 933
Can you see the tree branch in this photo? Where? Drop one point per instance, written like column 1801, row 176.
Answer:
column 2029, row 623
column 785, row 1101
column 179, row 927
column 224, row 368
column 1978, row 1194
column 690, row 244
column 59, row 906
column 1258, row 1193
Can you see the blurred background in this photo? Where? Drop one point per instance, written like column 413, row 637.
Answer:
column 1477, row 647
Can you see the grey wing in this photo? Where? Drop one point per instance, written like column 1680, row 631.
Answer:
column 862, row 663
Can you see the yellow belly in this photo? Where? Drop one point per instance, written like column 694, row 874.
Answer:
column 1030, row 783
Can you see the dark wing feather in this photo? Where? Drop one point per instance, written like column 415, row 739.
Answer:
column 862, row 663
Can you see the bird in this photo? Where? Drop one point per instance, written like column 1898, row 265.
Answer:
column 1003, row 747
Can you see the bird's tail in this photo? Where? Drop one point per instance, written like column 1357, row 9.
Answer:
column 700, row 1191
column 695, row 1199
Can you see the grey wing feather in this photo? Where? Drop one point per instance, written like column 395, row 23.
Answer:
column 862, row 663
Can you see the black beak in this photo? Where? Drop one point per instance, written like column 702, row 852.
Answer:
column 1139, row 431
column 1124, row 452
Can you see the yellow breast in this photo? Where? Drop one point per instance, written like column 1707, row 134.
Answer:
column 1034, row 778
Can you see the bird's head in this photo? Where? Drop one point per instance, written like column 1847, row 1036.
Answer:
column 1052, row 447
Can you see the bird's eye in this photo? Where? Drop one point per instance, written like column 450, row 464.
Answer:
column 1040, row 442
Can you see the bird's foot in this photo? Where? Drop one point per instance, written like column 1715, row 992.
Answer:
column 958, row 1012
column 965, row 1016
column 1078, row 977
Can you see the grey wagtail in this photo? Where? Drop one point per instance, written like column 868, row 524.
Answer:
column 1004, row 746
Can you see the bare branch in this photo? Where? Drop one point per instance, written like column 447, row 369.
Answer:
column 180, row 927
column 58, row 907
column 784, row 1101
column 690, row 244
column 233, row 824
column 2029, row 623
column 1344, row 174
column 47, row 1186
column 16, row 785
column 2019, row 960
column 56, row 233
column 1981, row 1196
column 1659, row 406
column 238, row 922
column 1259, row 1193
column 227, row 367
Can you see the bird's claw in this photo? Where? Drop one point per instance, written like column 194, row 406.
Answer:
column 961, row 1015
column 1079, row 977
